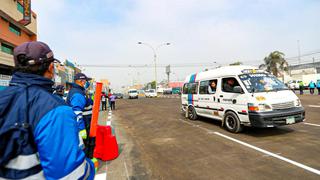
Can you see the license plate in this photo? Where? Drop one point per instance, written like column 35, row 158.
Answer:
column 290, row 120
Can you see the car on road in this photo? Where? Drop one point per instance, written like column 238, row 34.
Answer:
column 118, row 95
column 150, row 93
column 293, row 84
column 133, row 94
column 240, row 96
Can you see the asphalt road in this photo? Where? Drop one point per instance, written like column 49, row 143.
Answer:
column 157, row 142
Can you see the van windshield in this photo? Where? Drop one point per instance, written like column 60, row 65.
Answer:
column 152, row 91
column 133, row 91
column 262, row 82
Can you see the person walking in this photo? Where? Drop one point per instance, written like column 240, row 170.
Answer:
column 78, row 101
column 113, row 102
column 318, row 86
column 38, row 132
column 104, row 101
column 109, row 95
column 301, row 87
column 312, row 85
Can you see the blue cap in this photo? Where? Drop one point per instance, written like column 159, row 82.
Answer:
column 81, row 76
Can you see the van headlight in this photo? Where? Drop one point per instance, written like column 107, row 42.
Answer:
column 298, row 103
column 259, row 107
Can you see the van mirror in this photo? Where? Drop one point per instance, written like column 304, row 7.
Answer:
column 237, row 89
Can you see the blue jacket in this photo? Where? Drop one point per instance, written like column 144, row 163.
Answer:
column 77, row 100
column 38, row 133
column 312, row 84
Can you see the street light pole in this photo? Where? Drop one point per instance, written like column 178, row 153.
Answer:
column 155, row 58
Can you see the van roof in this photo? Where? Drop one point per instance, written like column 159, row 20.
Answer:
column 220, row 72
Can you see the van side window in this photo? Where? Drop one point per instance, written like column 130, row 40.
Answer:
column 193, row 88
column 229, row 83
column 190, row 88
column 185, row 88
column 204, row 87
column 212, row 86
column 208, row 87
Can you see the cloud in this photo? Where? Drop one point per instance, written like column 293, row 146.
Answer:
column 107, row 32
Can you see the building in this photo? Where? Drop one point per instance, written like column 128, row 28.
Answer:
column 305, row 72
column 18, row 24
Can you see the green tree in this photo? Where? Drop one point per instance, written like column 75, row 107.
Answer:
column 153, row 84
column 237, row 63
column 275, row 63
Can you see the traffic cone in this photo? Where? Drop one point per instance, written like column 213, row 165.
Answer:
column 106, row 144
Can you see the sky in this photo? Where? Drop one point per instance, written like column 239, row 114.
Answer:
column 217, row 32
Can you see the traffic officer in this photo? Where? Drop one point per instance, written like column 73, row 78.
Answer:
column 38, row 131
column 79, row 103
column 59, row 91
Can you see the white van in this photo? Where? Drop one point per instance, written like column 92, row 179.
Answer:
column 151, row 93
column 240, row 96
column 133, row 94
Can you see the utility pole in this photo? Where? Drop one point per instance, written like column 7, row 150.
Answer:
column 168, row 71
column 299, row 54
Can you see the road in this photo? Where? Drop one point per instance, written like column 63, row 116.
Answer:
column 157, row 142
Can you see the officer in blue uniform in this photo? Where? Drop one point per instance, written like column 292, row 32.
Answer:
column 38, row 131
column 80, row 104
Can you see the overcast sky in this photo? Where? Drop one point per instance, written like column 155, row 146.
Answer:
column 200, row 31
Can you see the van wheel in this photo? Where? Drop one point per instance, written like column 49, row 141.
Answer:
column 232, row 122
column 192, row 115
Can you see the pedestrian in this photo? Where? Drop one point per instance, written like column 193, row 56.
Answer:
column 312, row 85
column 104, row 101
column 301, row 87
column 109, row 95
column 59, row 91
column 78, row 101
column 38, row 132
column 113, row 102
column 318, row 86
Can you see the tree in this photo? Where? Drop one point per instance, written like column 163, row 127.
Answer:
column 275, row 63
column 153, row 84
column 237, row 63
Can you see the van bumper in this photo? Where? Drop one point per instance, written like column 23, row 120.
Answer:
column 277, row 117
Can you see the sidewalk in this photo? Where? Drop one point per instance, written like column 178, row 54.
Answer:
column 126, row 166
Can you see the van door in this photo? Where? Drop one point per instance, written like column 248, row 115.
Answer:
column 207, row 98
column 229, row 99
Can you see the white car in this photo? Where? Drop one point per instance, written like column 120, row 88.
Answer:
column 133, row 94
column 150, row 93
column 293, row 84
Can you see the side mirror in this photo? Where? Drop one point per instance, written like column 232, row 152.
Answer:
column 238, row 89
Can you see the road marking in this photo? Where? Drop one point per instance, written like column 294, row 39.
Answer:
column 125, row 166
column 313, row 170
column 315, row 106
column 102, row 176
column 316, row 171
column 312, row 124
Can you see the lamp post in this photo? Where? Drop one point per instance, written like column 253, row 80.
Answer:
column 154, row 50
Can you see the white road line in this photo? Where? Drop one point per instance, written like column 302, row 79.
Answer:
column 102, row 176
column 316, row 171
column 312, row 124
column 315, row 106
column 125, row 166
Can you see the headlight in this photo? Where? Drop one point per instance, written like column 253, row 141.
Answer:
column 259, row 108
column 297, row 102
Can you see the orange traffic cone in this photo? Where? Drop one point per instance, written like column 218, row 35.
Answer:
column 106, row 144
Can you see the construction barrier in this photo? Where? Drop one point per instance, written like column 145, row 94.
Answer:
column 106, row 144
